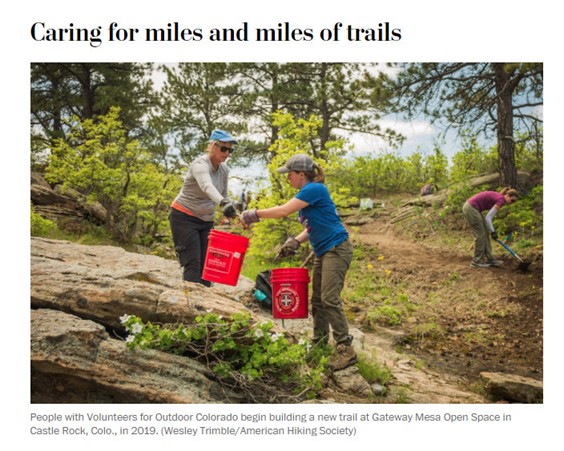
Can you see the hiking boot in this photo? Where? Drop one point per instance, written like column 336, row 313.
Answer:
column 479, row 265
column 495, row 263
column 343, row 357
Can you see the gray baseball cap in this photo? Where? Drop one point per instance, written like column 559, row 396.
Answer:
column 298, row 163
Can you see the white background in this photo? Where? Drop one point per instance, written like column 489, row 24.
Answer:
column 432, row 30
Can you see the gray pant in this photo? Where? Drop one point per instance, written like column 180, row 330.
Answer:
column 329, row 272
column 477, row 222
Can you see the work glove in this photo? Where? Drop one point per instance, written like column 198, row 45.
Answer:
column 290, row 247
column 239, row 206
column 248, row 217
column 494, row 235
column 228, row 208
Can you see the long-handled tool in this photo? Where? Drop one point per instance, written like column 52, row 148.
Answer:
column 307, row 260
column 523, row 265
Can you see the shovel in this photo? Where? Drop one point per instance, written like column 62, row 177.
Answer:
column 523, row 265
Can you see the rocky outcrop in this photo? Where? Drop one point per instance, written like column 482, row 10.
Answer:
column 75, row 361
column 79, row 292
column 513, row 388
column 67, row 205
column 102, row 283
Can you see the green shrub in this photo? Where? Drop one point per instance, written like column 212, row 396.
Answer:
column 239, row 352
column 100, row 159
column 296, row 136
column 41, row 226
column 524, row 218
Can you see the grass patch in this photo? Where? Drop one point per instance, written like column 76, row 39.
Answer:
column 385, row 315
column 372, row 370
column 429, row 330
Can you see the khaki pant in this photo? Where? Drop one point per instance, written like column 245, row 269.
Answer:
column 329, row 272
column 477, row 223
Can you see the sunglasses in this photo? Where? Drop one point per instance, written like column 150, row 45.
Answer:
column 225, row 148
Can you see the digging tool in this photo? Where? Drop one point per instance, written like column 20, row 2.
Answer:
column 523, row 265
column 307, row 260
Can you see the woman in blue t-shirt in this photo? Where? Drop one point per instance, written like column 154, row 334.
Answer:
column 331, row 246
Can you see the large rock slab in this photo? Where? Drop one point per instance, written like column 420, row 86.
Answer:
column 102, row 283
column 76, row 361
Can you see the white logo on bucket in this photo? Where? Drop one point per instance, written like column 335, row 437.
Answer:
column 219, row 260
column 287, row 300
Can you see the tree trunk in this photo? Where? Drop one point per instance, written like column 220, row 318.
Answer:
column 506, row 143
column 85, row 77
column 324, row 107
column 274, row 105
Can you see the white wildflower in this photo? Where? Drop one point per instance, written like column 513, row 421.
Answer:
column 137, row 328
column 259, row 333
column 130, row 339
column 124, row 318
column 276, row 336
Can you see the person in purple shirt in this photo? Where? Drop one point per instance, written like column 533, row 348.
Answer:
column 331, row 246
column 482, row 226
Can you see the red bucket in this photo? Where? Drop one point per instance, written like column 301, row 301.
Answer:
column 289, row 293
column 224, row 257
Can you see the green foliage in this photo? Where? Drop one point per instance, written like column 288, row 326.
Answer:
column 41, row 226
column 198, row 98
column 371, row 176
column 468, row 95
column 294, row 137
column 87, row 90
column 386, row 314
column 529, row 151
column 457, row 196
column 436, row 167
column 524, row 218
column 372, row 370
column 236, row 349
column 100, row 160
column 472, row 160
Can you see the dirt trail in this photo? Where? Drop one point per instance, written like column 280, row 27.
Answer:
column 488, row 320
column 484, row 319
column 414, row 383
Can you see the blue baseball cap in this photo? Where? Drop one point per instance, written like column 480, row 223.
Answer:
column 223, row 136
